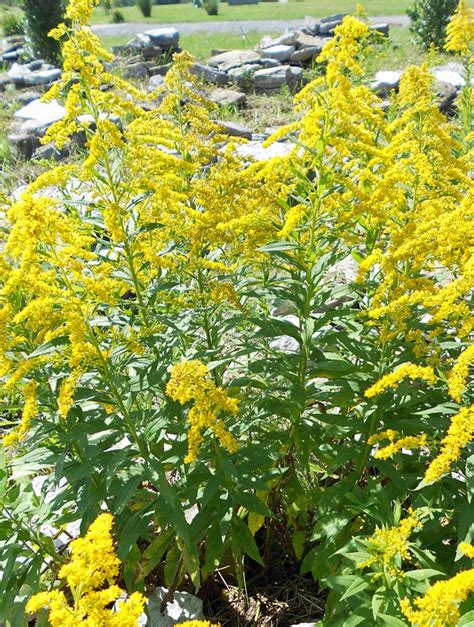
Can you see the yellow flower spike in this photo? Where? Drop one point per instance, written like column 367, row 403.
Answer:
column 387, row 545
column 439, row 607
column 190, row 380
column 460, row 31
column 391, row 380
column 396, row 443
column 459, row 435
column 457, row 378
column 467, row 549
column 93, row 564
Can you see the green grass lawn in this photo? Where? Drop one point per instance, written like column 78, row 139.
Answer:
column 261, row 11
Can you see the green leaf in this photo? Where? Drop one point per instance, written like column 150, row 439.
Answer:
column 49, row 347
column 358, row 585
column 252, row 503
column 245, row 539
column 154, row 552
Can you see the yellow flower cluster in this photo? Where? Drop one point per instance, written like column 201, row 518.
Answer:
column 460, row 31
column 391, row 380
column 439, row 606
column 30, row 410
column 459, row 435
column 190, row 381
column 467, row 549
column 93, row 564
column 457, row 378
column 397, row 443
column 389, row 547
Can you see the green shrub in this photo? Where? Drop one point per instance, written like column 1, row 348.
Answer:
column 145, row 7
column 429, row 19
column 211, row 6
column 117, row 17
column 42, row 16
column 12, row 24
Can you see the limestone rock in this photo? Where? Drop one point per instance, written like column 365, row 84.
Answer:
column 271, row 78
column 287, row 39
column 235, row 58
column 184, row 607
column 209, row 74
column 234, row 129
column 304, row 55
column 386, row 81
column 308, row 41
column 43, row 113
column 136, row 70
column 255, row 150
column 227, row 97
column 280, row 53
column 165, row 38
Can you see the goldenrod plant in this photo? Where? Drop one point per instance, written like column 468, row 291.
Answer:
column 183, row 348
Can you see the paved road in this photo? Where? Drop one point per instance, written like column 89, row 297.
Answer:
column 246, row 26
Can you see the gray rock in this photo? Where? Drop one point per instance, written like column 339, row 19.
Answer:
column 25, row 97
column 287, row 343
column 311, row 26
column 48, row 152
column 337, row 17
column 136, row 70
column 271, row 78
column 446, row 95
column 42, row 77
column 234, row 129
column 13, row 56
column 386, row 81
column 23, row 144
column 327, row 28
column 37, row 64
column 243, row 75
column 209, row 74
column 155, row 82
column 227, row 97
column 383, row 29
column 308, row 41
column 151, row 52
column 296, row 76
column 280, row 52
column 449, row 76
column 44, row 113
column 343, row 272
column 165, row 38
column 161, row 70
column 235, row 58
column 255, row 150
column 304, row 54
column 184, row 607
column 287, row 39
column 5, row 80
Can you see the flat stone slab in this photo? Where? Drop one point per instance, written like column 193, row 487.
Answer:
column 163, row 37
column 280, row 53
column 43, row 112
column 235, row 129
column 227, row 97
column 209, row 74
column 233, row 59
column 386, row 81
column 256, row 151
column 271, row 78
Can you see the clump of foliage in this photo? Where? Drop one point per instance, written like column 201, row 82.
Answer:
column 178, row 347
column 211, row 6
column 145, row 7
column 41, row 16
column 429, row 19
column 117, row 17
column 11, row 23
